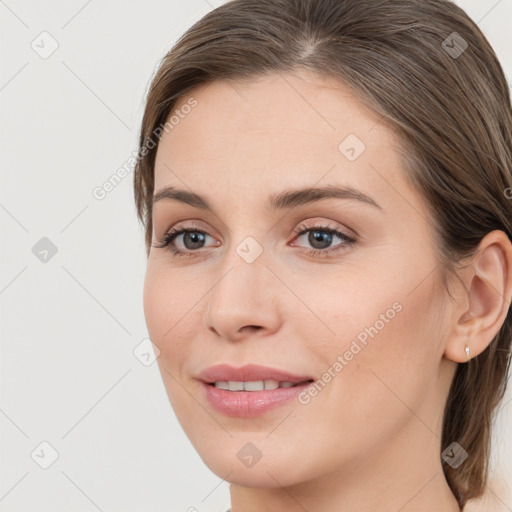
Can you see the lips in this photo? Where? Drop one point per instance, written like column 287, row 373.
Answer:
column 238, row 392
column 250, row 372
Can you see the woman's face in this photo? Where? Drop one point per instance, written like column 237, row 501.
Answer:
column 361, row 312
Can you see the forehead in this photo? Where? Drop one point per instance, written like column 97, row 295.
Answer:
column 273, row 131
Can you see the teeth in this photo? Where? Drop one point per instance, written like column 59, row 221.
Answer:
column 257, row 385
column 222, row 385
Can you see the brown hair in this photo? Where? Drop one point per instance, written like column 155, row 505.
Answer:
column 426, row 67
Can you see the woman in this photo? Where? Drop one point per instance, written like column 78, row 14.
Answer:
column 326, row 191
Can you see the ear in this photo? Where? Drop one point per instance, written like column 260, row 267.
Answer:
column 486, row 300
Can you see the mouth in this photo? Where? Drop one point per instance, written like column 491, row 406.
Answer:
column 252, row 400
column 250, row 390
column 255, row 377
column 256, row 385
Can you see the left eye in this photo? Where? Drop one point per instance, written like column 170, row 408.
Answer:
column 321, row 238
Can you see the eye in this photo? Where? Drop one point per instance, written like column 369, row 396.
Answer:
column 322, row 237
column 191, row 240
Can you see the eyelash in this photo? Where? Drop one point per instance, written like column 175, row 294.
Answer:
column 349, row 241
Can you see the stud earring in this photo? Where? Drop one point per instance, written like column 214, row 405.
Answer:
column 467, row 350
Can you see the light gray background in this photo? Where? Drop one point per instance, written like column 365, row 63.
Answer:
column 70, row 325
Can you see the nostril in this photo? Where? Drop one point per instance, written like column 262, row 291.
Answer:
column 252, row 327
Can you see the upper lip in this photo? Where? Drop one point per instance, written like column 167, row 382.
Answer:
column 250, row 372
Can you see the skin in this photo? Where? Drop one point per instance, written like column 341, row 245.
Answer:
column 371, row 439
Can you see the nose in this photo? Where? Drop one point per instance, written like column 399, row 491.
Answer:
column 243, row 301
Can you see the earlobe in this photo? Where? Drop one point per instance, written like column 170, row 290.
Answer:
column 488, row 288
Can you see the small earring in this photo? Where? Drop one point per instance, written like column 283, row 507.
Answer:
column 467, row 350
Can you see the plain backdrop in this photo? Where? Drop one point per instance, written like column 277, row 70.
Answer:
column 85, row 421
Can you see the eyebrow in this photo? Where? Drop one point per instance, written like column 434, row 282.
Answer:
column 287, row 199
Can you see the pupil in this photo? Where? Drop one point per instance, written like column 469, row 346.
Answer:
column 322, row 237
column 195, row 238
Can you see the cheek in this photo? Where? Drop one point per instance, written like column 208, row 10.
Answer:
column 388, row 306
column 337, row 309
column 170, row 310
column 384, row 348
column 172, row 315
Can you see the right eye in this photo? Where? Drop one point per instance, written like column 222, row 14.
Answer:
column 192, row 239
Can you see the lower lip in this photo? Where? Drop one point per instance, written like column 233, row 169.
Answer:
column 247, row 404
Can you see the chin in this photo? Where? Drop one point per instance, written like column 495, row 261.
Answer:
column 245, row 461
column 262, row 475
